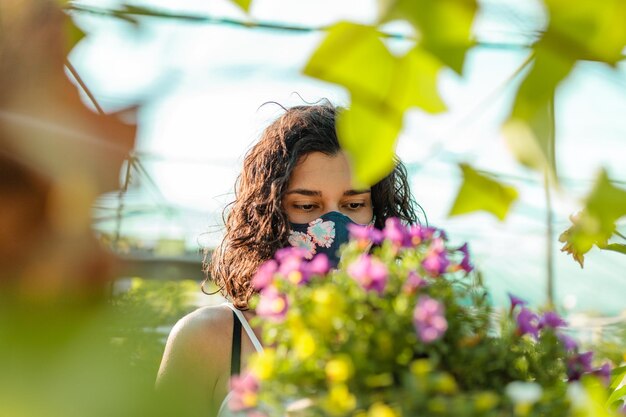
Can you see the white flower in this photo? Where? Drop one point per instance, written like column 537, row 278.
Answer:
column 524, row 392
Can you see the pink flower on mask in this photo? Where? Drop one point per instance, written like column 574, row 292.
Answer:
column 302, row 241
column 322, row 232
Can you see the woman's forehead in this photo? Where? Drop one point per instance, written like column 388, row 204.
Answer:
column 317, row 171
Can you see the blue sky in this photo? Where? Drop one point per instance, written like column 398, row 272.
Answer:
column 201, row 88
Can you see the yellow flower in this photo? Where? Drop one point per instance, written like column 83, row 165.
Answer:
column 304, row 344
column 294, row 277
column 340, row 400
column 262, row 364
column 445, row 384
column 339, row 369
column 381, row 410
column 486, row 401
column 421, row 367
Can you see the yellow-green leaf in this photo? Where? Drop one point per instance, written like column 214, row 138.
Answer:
column 587, row 29
column 481, row 193
column 369, row 137
column 244, row 4
column 529, row 131
column 382, row 87
column 595, row 224
column 444, row 26
column 355, row 57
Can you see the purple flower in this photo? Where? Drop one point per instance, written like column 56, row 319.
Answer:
column 264, row 276
column 578, row 365
column 245, row 390
column 552, row 320
column 365, row 234
column 369, row 272
column 413, row 282
column 272, row 304
column 396, row 233
column 516, row 301
column 465, row 262
column 528, row 323
column 569, row 344
column 320, row 265
column 429, row 320
column 604, row 373
column 436, row 261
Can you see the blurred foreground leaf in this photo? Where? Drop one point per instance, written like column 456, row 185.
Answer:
column 595, row 224
column 481, row 193
column 443, row 26
column 382, row 87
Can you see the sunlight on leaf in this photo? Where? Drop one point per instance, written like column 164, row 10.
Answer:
column 595, row 224
column 481, row 193
column 444, row 25
column 529, row 131
column 382, row 87
column 369, row 138
column 587, row 29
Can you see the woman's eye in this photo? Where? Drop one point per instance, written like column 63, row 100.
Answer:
column 305, row 207
column 355, row 206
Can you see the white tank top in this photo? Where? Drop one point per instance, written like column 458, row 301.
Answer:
column 224, row 410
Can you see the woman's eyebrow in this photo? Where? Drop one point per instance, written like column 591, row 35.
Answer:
column 303, row 191
column 356, row 192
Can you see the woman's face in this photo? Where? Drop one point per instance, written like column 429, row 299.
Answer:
column 321, row 183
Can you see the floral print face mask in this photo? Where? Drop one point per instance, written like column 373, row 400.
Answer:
column 323, row 235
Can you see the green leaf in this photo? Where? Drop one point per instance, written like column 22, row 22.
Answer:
column 616, row 396
column 615, row 247
column 369, row 139
column 382, row 87
column 444, row 25
column 73, row 33
column 481, row 193
column 587, row 29
column 529, row 131
column 595, row 224
column 244, row 4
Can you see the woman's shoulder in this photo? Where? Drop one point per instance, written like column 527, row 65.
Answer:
column 199, row 341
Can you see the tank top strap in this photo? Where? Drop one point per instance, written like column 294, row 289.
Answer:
column 246, row 326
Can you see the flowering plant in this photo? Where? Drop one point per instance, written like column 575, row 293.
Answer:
column 404, row 328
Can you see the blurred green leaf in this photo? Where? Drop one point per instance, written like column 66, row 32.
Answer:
column 444, row 26
column 529, row 131
column 595, row 224
column 73, row 33
column 244, row 4
column 615, row 247
column 382, row 87
column 481, row 193
column 587, row 29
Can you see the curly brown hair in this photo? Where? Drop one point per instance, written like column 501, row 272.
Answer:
column 256, row 224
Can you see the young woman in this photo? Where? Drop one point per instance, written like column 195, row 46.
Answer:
column 295, row 176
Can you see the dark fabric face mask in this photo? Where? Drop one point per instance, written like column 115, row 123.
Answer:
column 323, row 235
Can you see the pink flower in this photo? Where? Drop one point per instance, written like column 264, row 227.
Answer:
column 320, row 265
column 516, row 301
column 265, row 274
column 578, row 365
column 304, row 242
column 396, row 233
column 413, row 282
column 569, row 344
column 365, row 234
column 436, row 261
column 369, row 272
column 322, row 232
column 272, row 305
column 429, row 320
column 244, row 392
